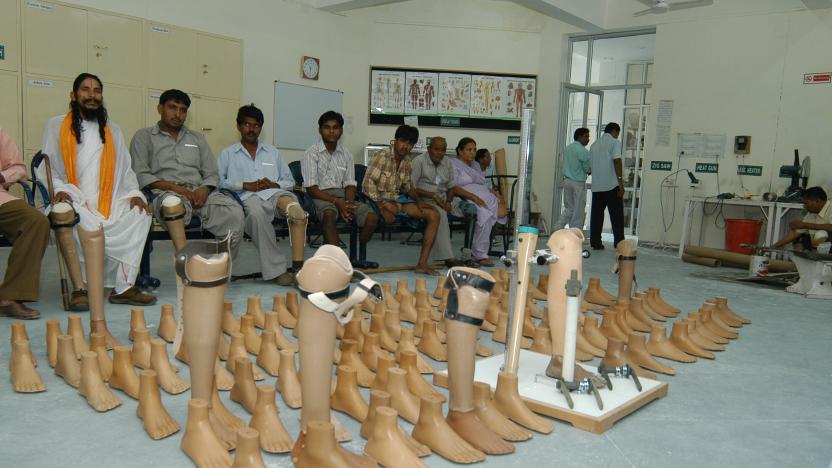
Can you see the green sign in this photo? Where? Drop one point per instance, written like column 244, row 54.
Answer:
column 449, row 121
column 514, row 140
column 2, row 52
column 661, row 165
column 750, row 170
column 708, row 168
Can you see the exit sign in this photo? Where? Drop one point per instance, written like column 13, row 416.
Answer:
column 449, row 121
column 661, row 165
column 750, row 170
column 707, row 168
column 514, row 140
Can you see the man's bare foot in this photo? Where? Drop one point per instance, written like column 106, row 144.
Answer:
column 425, row 269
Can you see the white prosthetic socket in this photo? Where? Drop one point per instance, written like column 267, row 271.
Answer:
column 64, row 218
column 173, row 214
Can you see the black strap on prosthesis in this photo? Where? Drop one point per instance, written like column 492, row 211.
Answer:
column 174, row 217
column 204, row 248
column 75, row 221
column 458, row 279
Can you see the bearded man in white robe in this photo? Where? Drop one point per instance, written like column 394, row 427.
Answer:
column 92, row 171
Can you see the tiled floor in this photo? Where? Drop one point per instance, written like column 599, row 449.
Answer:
column 762, row 402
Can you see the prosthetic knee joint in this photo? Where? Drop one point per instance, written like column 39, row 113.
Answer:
column 63, row 218
column 173, row 214
column 457, row 278
column 297, row 219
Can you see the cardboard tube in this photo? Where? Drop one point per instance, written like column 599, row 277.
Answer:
column 737, row 259
column 704, row 261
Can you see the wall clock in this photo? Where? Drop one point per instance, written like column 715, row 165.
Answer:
column 310, row 67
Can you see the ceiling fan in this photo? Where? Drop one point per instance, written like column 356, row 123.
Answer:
column 663, row 6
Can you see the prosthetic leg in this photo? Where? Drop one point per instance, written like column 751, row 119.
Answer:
column 297, row 219
column 324, row 285
column 204, row 269
column 173, row 214
column 63, row 219
column 467, row 304
column 625, row 254
column 507, row 395
column 93, row 244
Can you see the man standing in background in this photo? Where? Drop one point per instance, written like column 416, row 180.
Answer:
column 575, row 170
column 607, row 186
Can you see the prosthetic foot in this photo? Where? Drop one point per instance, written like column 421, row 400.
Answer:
column 76, row 331
column 660, row 346
column 508, row 402
column 230, row 324
column 124, row 375
column 199, row 442
column 593, row 333
column 679, row 337
column 415, row 383
column 659, row 300
column 432, row 430
column 393, row 324
column 316, row 448
column 595, row 294
column 705, row 331
column 377, row 326
column 723, row 311
column 555, row 370
column 63, row 219
column 431, row 345
column 287, row 320
column 165, row 373
column 273, row 436
column 346, row 398
column 350, row 357
column 269, row 357
column 637, row 353
column 289, row 383
column 386, row 443
column 157, row 422
column 92, row 387
column 638, row 314
column 542, row 341
column 244, row 390
column 371, row 351
column 250, row 336
column 141, row 348
column 645, row 304
column 53, row 331
column 223, row 379
column 385, row 363
column 136, row 321
column 24, row 376
column 488, row 413
column 655, row 303
column 98, row 345
column 404, row 402
column 255, row 311
column 248, row 449
column 281, row 340
column 67, row 365
column 716, row 326
column 698, row 337
column 167, row 324
column 93, row 244
column 224, row 423
column 353, row 331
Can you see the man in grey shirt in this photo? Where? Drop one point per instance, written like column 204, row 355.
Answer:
column 173, row 160
column 433, row 176
column 607, row 186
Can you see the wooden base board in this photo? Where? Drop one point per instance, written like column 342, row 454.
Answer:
column 541, row 396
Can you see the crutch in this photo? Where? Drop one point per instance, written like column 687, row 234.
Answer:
column 65, row 293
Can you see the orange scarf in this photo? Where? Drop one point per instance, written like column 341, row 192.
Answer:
column 106, row 177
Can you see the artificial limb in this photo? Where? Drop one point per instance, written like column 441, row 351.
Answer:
column 297, row 219
column 204, row 269
column 63, row 219
column 467, row 303
column 326, row 301
column 93, row 244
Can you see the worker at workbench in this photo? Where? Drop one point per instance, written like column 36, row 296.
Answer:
column 814, row 228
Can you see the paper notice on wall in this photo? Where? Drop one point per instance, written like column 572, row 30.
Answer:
column 664, row 121
column 701, row 145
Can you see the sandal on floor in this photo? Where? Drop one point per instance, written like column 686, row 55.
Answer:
column 18, row 310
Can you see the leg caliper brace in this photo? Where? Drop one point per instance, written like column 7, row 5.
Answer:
column 364, row 287
column 457, row 279
column 204, row 248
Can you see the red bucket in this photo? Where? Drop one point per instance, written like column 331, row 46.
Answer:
column 741, row 231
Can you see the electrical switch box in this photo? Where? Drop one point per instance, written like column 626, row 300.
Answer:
column 742, row 144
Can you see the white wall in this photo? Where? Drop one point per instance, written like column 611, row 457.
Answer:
column 737, row 68
column 477, row 35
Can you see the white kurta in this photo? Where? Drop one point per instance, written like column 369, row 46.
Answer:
column 126, row 229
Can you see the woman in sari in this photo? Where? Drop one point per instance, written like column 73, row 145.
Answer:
column 471, row 178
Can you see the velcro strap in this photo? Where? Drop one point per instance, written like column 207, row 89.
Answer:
column 174, row 217
column 461, row 278
column 365, row 287
column 55, row 225
column 626, row 257
column 332, row 294
column 452, row 312
column 204, row 248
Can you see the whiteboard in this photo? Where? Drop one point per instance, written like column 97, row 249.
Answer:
column 296, row 111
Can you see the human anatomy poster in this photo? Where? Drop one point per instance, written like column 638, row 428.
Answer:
column 454, row 94
column 518, row 94
column 421, row 92
column 387, row 92
column 487, row 96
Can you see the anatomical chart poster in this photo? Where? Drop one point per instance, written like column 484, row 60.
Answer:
column 388, row 92
column 454, row 94
column 518, row 94
column 487, row 96
column 421, row 92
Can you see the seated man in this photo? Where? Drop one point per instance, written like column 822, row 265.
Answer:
column 329, row 178
column 262, row 180
column 176, row 162
column 91, row 171
column 388, row 183
column 433, row 176
column 814, row 228
column 28, row 231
